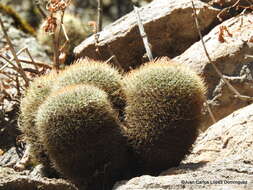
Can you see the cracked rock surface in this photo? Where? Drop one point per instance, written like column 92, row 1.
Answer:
column 222, row 159
column 169, row 26
column 231, row 56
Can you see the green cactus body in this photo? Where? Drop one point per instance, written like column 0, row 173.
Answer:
column 102, row 75
column 164, row 103
column 79, row 129
column 34, row 96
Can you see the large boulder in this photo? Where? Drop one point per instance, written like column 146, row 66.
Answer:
column 222, row 159
column 230, row 55
column 169, row 26
column 229, row 139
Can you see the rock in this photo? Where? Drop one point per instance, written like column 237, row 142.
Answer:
column 169, row 26
column 222, row 159
column 230, row 138
column 26, row 10
column 215, row 176
column 9, row 179
column 21, row 39
column 227, row 3
column 9, row 158
column 231, row 58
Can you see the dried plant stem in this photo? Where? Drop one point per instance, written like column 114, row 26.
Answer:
column 99, row 25
column 108, row 60
column 32, row 60
column 8, row 75
column 42, row 12
column 99, row 21
column 18, row 86
column 99, row 16
column 56, row 64
column 20, row 70
column 36, row 63
column 143, row 34
column 18, row 53
column 14, row 67
column 64, row 33
column 232, row 89
column 210, row 112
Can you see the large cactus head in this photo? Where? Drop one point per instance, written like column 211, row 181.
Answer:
column 80, row 131
column 100, row 74
column 163, row 112
column 34, row 96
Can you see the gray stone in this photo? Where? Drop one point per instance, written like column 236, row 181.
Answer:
column 169, row 26
column 222, row 159
column 231, row 59
column 9, row 179
column 20, row 39
column 9, row 158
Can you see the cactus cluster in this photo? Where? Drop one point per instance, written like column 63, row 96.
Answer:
column 95, row 124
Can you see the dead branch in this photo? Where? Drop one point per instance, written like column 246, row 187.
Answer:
column 30, row 56
column 231, row 88
column 41, row 10
column 99, row 16
column 20, row 70
column 14, row 67
column 143, row 34
column 18, row 53
column 210, row 112
column 40, row 64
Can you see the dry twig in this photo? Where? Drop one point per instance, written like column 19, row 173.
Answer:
column 143, row 35
column 232, row 89
column 20, row 70
column 99, row 16
column 51, row 26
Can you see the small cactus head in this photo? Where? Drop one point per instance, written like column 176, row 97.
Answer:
column 80, row 131
column 163, row 112
column 34, row 96
column 100, row 74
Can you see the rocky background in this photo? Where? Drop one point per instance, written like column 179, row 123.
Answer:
column 222, row 157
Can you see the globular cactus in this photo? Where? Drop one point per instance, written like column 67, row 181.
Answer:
column 81, row 134
column 34, row 96
column 163, row 113
column 102, row 75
